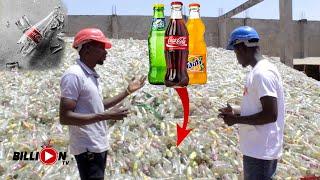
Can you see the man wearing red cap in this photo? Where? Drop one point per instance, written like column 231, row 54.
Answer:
column 82, row 107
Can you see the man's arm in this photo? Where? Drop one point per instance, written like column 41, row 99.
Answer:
column 70, row 90
column 234, row 110
column 268, row 114
column 134, row 85
column 114, row 100
column 69, row 117
column 265, row 84
column 266, row 87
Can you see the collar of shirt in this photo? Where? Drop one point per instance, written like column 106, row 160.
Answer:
column 87, row 69
column 255, row 67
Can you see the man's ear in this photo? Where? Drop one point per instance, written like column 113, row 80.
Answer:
column 247, row 50
column 84, row 49
column 252, row 50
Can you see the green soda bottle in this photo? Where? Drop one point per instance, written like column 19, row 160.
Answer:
column 157, row 69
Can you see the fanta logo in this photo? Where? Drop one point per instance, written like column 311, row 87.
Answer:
column 195, row 63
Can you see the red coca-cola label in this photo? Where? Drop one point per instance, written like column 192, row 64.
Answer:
column 176, row 42
column 34, row 35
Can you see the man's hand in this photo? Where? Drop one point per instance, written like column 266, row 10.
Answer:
column 226, row 110
column 136, row 83
column 228, row 114
column 229, row 119
column 234, row 109
column 69, row 117
column 116, row 113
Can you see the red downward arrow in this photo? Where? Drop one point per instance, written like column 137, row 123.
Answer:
column 182, row 132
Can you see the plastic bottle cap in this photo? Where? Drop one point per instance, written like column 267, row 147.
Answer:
column 158, row 6
column 176, row 3
column 194, row 4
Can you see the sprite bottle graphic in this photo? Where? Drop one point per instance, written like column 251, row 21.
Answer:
column 157, row 68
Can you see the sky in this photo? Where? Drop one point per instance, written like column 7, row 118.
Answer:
column 268, row 9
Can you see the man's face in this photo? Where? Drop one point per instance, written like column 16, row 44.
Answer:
column 241, row 53
column 97, row 52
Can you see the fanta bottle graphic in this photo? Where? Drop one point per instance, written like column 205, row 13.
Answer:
column 197, row 58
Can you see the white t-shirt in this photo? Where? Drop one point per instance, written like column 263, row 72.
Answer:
column 262, row 141
column 81, row 84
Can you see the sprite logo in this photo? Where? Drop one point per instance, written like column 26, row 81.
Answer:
column 158, row 24
column 195, row 63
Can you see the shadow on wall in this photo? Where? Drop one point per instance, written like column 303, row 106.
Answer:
column 47, row 54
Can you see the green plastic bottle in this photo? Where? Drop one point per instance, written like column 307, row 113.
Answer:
column 157, row 68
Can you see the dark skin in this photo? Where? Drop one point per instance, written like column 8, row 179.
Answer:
column 91, row 54
column 250, row 56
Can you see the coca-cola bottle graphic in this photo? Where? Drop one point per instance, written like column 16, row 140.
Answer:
column 33, row 35
column 176, row 49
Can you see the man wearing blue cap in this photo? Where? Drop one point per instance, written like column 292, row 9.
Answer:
column 261, row 114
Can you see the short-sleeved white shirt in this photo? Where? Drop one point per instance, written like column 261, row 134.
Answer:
column 262, row 141
column 81, row 84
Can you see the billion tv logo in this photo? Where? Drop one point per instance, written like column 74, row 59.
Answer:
column 48, row 156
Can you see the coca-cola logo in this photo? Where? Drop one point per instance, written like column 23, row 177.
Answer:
column 179, row 41
column 176, row 43
column 34, row 35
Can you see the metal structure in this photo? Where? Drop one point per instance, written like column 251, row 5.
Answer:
column 286, row 27
column 223, row 19
column 240, row 8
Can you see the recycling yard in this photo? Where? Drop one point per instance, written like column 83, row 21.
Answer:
column 143, row 145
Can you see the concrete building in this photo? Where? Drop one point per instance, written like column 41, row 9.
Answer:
column 304, row 43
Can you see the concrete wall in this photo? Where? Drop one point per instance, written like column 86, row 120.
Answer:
column 306, row 33
column 269, row 33
column 75, row 23
column 212, row 31
column 313, row 29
